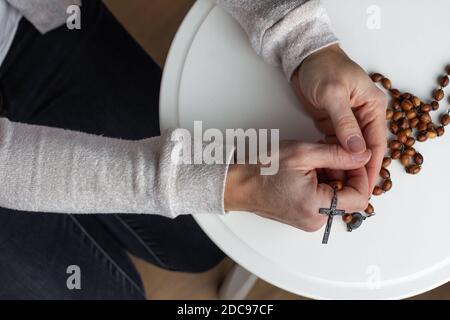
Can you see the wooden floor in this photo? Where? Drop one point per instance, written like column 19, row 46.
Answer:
column 154, row 24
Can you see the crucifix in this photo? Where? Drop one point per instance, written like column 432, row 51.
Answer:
column 331, row 213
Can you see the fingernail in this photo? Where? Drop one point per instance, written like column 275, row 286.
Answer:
column 356, row 144
column 362, row 157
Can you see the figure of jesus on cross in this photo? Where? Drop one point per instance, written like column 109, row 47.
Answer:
column 333, row 211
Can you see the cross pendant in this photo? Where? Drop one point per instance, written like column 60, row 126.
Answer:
column 333, row 211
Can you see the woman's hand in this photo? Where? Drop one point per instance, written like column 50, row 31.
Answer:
column 295, row 195
column 345, row 104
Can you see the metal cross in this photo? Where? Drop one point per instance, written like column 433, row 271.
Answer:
column 331, row 213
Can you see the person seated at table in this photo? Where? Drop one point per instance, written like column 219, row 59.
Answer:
column 86, row 174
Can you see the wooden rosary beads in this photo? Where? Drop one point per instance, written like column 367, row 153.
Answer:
column 409, row 120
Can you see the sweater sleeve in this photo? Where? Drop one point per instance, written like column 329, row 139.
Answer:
column 283, row 32
column 46, row 169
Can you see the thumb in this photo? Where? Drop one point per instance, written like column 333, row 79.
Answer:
column 345, row 125
column 311, row 156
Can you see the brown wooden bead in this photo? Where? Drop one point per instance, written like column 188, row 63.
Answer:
column 430, row 126
column 413, row 169
column 377, row 191
column 387, row 84
column 337, row 185
column 407, row 105
column 445, row 120
column 395, row 93
column 386, row 162
column 387, row 185
column 395, row 144
column 440, row 131
column 396, row 154
column 410, row 151
column 422, row 126
column 396, row 105
column 432, row 134
column 389, row 114
column 369, row 210
column 438, row 94
column 347, row 218
column 376, row 77
column 414, row 122
column 402, row 136
column 408, row 132
column 394, row 128
column 426, row 108
column 403, row 123
column 425, row 118
column 435, row 105
column 384, row 173
column 397, row 115
column 422, row 137
column 412, row 114
column 410, row 142
column 405, row 159
column 444, row 81
column 406, row 96
column 415, row 101
column 418, row 159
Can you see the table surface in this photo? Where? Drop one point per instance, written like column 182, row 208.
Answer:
column 213, row 75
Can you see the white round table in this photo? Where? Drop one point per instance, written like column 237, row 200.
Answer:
column 213, row 75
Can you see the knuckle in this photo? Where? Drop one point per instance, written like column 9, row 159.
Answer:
column 346, row 121
column 334, row 86
column 299, row 156
column 336, row 153
column 301, row 149
column 332, row 91
column 289, row 153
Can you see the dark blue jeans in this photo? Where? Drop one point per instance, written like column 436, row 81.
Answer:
column 96, row 80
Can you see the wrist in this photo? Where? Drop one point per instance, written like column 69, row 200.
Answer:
column 241, row 188
column 333, row 50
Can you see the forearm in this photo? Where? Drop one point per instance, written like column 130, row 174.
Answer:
column 52, row 170
column 283, row 32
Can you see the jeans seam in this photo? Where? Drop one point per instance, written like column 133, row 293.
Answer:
column 138, row 238
column 107, row 256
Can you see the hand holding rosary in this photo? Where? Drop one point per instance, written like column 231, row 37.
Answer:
column 409, row 120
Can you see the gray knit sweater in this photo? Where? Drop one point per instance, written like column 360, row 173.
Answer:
column 52, row 170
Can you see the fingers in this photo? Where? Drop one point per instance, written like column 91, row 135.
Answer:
column 354, row 196
column 375, row 133
column 308, row 156
column 374, row 166
column 326, row 175
column 356, row 192
column 344, row 121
